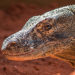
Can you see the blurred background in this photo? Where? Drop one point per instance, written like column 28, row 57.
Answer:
column 6, row 3
column 13, row 16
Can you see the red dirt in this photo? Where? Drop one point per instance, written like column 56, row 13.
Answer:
column 12, row 20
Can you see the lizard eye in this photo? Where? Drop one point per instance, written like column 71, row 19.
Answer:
column 47, row 27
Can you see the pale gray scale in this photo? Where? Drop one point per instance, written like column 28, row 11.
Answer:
column 56, row 14
column 7, row 40
column 32, row 22
column 24, row 40
column 64, row 22
column 13, row 38
column 72, row 9
column 58, row 11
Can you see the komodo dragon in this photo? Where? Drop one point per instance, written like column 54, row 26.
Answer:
column 50, row 34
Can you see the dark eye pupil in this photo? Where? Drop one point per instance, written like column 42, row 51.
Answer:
column 48, row 27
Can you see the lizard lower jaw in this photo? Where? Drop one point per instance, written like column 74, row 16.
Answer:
column 18, row 58
column 21, row 58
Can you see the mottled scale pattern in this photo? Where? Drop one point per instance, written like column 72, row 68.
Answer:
column 50, row 34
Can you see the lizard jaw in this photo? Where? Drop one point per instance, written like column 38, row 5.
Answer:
column 23, row 58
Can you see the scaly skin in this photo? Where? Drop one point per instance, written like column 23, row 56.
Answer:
column 50, row 34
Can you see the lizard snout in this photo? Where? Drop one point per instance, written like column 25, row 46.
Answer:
column 8, row 49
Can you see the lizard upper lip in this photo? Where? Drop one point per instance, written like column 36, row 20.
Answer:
column 11, row 53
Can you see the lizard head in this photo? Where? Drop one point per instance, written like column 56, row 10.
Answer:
column 24, row 45
column 47, row 33
column 28, row 42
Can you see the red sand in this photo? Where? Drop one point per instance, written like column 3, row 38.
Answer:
column 11, row 21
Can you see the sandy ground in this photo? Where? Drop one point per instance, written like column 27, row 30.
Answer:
column 12, row 20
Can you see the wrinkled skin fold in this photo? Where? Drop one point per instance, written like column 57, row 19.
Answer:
column 50, row 34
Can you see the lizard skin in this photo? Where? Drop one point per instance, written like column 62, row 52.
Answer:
column 50, row 34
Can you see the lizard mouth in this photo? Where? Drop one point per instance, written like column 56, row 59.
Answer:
column 18, row 58
column 12, row 53
column 21, row 56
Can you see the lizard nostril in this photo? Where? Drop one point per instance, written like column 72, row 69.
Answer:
column 9, row 48
column 9, row 45
column 12, row 44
